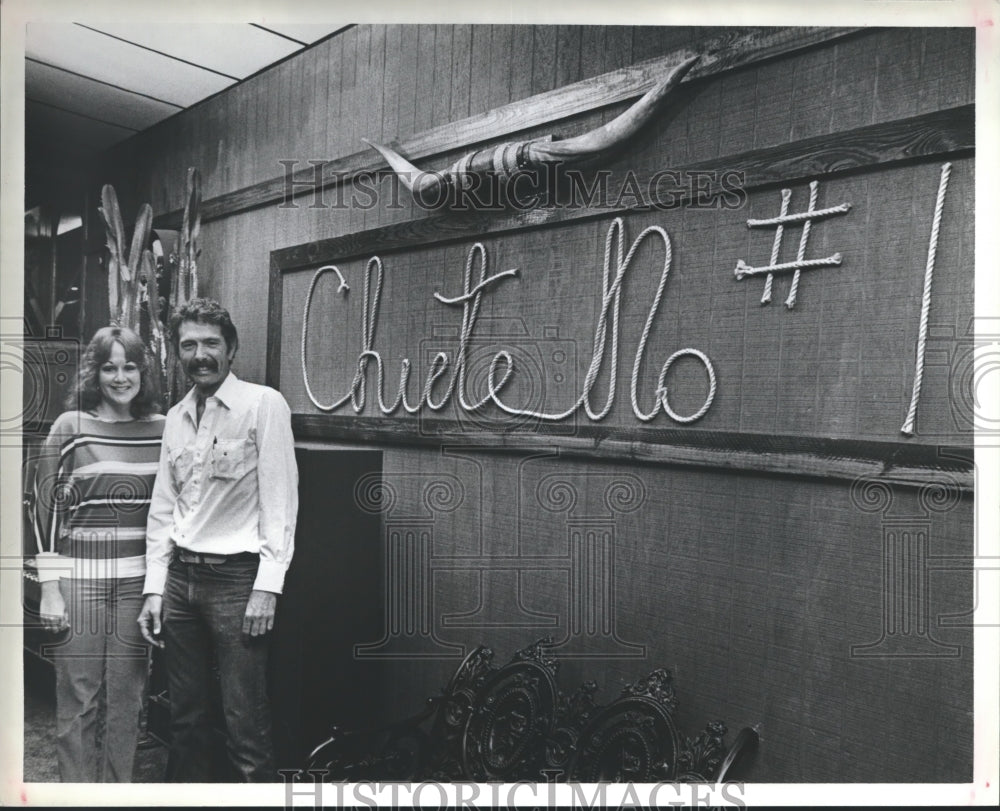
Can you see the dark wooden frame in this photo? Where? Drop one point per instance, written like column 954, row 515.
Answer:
column 946, row 134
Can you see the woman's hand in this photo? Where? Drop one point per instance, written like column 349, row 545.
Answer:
column 55, row 617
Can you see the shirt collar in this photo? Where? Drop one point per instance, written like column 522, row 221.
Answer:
column 225, row 394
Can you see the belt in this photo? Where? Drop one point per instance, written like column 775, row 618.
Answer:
column 184, row 556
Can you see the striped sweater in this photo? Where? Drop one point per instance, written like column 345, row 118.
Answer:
column 93, row 483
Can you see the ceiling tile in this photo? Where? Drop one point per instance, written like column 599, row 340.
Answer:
column 110, row 60
column 236, row 50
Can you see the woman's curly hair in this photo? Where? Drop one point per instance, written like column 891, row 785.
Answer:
column 86, row 394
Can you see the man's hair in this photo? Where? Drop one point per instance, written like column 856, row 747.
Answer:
column 204, row 311
column 86, row 394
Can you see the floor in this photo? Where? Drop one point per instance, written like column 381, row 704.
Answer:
column 39, row 731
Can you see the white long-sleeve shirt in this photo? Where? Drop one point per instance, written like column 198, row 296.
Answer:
column 226, row 485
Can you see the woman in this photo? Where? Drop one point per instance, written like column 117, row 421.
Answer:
column 92, row 488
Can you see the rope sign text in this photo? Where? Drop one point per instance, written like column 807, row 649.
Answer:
column 437, row 391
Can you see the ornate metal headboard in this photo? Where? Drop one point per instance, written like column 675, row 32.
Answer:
column 514, row 723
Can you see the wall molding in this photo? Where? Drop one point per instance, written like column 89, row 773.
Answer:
column 720, row 55
column 896, row 463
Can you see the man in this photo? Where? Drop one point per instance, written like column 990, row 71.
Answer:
column 219, row 540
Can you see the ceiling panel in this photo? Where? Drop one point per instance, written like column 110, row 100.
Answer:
column 110, row 60
column 303, row 32
column 91, row 86
column 82, row 95
column 236, row 50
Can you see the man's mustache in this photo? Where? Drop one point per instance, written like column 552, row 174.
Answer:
column 209, row 366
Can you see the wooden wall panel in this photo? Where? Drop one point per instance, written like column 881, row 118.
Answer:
column 543, row 62
column 341, row 130
column 751, row 590
column 422, row 98
column 568, row 39
column 444, row 54
column 462, row 63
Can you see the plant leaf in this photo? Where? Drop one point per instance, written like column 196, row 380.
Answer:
column 194, row 204
column 113, row 217
column 140, row 235
column 109, row 234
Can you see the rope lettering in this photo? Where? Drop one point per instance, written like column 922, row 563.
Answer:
column 502, row 369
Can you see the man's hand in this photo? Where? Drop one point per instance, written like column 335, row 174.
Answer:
column 259, row 618
column 149, row 619
column 52, row 609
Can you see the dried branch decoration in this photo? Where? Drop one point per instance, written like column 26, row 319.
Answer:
column 128, row 273
column 184, row 276
column 133, row 283
column 434, row 188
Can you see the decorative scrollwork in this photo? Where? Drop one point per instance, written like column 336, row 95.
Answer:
column 632, row 740
column 573, row 711
column 535, row 652
column 458, row 696
column 511, row 719
column 658, row 685
column 700, row 757
column 513, row 723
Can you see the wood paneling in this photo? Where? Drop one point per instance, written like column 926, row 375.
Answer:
column 545, row 107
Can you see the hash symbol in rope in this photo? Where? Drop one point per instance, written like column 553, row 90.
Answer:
column 800, row 263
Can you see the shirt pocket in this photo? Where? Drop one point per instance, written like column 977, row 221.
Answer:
column 232, row 459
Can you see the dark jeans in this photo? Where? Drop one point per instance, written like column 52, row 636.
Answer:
column 203, row 609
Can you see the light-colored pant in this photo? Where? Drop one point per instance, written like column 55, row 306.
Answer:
column 101, row 665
